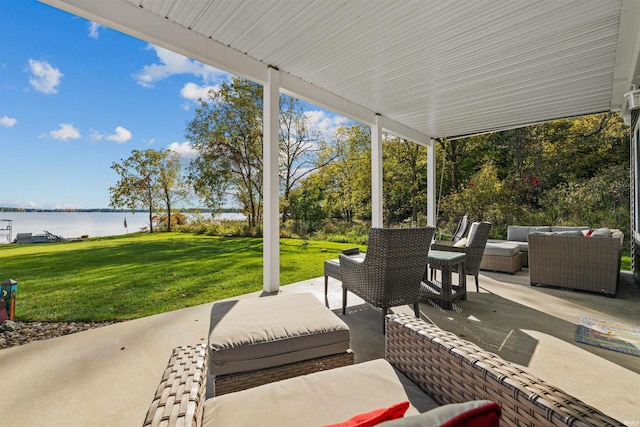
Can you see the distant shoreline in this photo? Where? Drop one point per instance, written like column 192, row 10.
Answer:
column 190, row 210
column 71, row 224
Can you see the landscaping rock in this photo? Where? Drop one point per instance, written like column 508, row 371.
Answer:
column 9, row 325
column 18, row 333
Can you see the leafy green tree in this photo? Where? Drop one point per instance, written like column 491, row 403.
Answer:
column 404, row 181
column 306, row 207
column 227, row 133
column 600, row 201
column 485, row 198
column 542, row 170
column 147, row 179
column 171, row 186
column 347, row 173
column 577, row 149
column 299, row 145
column 449, row 150
column 456, row 162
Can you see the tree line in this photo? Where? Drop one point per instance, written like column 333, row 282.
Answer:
column 573, row 171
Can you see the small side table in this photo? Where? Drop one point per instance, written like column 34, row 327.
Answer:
column 332, row 267
column 444, row 291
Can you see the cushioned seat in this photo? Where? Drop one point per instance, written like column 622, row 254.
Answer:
column 259, row 333
column 318, row 399
column 501, row 249
column 500, row 256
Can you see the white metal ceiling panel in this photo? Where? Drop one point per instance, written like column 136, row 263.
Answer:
column 441, row 67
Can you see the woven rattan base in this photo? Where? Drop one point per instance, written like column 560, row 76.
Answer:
column 459, row 371
column 503, row 264
column 242, row 380
column 179, row 396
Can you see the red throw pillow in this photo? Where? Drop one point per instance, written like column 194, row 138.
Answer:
column 483, row 416
column 476, row 413
column 377, row 416
column 589, row 233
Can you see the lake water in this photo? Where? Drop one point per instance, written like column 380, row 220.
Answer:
column 76, row 224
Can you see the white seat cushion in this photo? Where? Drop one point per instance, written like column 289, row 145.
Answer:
column 501, row 249
column 258, row 333
column 472, row 232
column 318, row 399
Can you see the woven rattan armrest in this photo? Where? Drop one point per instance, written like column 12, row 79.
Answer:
column 351, row 251
column 452, row 370
column 180, row 396
column 443, row 246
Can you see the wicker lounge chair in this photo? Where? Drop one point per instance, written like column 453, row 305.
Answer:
column 477, row 241
column 391, row 272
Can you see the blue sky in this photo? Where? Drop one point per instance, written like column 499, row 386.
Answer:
column 76, row 97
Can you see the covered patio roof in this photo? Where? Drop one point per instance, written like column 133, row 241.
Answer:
column 417, row 69
column 430, row 68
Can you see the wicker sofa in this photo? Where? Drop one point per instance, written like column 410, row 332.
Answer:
column 436, row 365
column 517, row 235
column 574, row 261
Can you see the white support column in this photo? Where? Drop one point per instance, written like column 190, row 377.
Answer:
column 431, row 183
column 271, row 155
column 376, row 174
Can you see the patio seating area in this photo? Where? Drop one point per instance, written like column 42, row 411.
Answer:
column 108, row 376
column 423, row 365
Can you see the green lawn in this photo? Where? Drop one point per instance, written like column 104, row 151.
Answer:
column 137, row 275
column 625, row 263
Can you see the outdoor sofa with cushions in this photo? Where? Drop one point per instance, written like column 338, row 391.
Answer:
column 518, row 235
column 423, row 364
column 572, row 260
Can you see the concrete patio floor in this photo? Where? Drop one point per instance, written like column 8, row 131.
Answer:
column 107, row 376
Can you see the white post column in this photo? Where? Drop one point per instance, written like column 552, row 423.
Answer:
column 271, row 155
column 376, row 174
column 431, row 183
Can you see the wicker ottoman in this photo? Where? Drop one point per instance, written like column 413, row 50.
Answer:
column 504, row 257
column 261, row 340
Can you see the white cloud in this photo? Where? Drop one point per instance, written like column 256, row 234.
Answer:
column 96, row 136
column 7, row 122
column 172, row 63
column 122, row 135
column 18, row 203
column 94, row 29
column 186, row 151
column 65, row 132
column 327, row 124
column 194, row 92
column 44, row 78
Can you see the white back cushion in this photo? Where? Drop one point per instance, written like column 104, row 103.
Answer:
column 472, row 232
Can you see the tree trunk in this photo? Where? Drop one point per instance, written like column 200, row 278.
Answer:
column 150, row 218
column 168, row 215
column 453, row 160
column 451, row 156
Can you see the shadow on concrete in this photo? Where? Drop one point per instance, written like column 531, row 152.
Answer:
column 625, row 306
column 504, row 326
column 367, row 340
